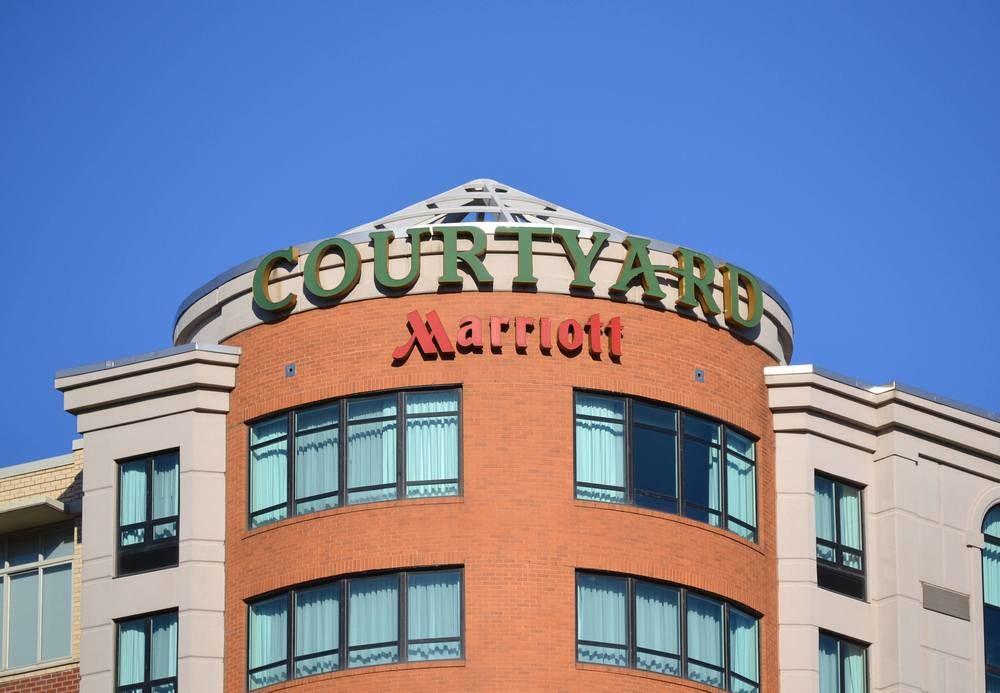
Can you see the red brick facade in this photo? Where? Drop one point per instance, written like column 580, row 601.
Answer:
column 65, row 681
column 517, row 528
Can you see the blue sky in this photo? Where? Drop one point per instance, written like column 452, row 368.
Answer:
column 848, row 153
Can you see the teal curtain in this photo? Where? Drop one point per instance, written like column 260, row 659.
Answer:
column 991, row 559
column 317, row 630
column 132, row 652
column 434, row 610
column 849, row 506
column 600, row 448
column 431, row 443
column 268, row 641
column 317, row 457
column 163, row 647
column 657, row 626
column 373, row 618
column 704, row 640
column 132, row 501
column 829, row 665
column 268, row 470
column 855, row 678
column 825, row 518
column 601, row 619
column 57, row 611
column 743, row 651
column 741, row 494
column 371, row 449
column 166, row 482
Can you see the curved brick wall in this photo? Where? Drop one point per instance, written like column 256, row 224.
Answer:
column 517, row 529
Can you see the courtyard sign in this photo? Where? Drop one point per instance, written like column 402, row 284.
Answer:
column 694, row 271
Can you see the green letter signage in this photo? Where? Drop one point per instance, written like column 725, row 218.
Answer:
column 472, row 257
column 381, row 240
column 352, row 268
column 525, row 235
column 733, row 278
column 637, row 264
column 694, row 288
column 582, row 263
column 262, row 277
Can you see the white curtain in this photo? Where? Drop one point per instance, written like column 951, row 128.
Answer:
column 268, row 641
column 850, row 524
column 131, row 652
column 269, row 470
column 600, row 448
column 317, row 624
column 657, row 622
column 434, row 610
column 741, row 494
column 601, row 617
column 371, row 449
column 132, row 504
column 704, row 639
column 743, row 645
column 373, row 616
column 316, row 458
column 854, row 667
column 163, row 650
column 166, row 481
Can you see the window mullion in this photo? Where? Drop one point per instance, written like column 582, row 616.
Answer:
column 403, row 636
column 724, row 480
column 726, row 673
column 682, row 635
column 148, row 649
column 401, row 469
column 148, row 525
column 342, row 451
column 681, row 509
column 629, row 453
column 290, row 636
column 290, row 468
column 631, row 637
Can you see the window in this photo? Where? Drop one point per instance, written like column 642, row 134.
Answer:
column 355, row 622
column 36, row 596
column 148, row 516
column 630, row 451
column 840, row 559
column 627, row 622
column 842, row 665
column 991, row 598
column 399, row 445
column 147, row 654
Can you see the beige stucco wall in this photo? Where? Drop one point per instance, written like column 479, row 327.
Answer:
column 930, row 471
column 174, row 401
column 59, row 479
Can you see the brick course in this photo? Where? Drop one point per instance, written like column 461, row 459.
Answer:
column 65, row 681
column 517, row 528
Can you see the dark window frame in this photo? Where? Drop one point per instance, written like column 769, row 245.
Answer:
column 343, row 650
column 991, row 669
column 343, row 492
column 682, row 657
column 834, row 575
column 146, row 686
column 681, row 503
column 150, row 554
column 841, row 659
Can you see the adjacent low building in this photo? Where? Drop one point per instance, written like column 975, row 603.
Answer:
column 487, row 443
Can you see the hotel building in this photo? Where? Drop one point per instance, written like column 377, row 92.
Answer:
column 487, row 443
